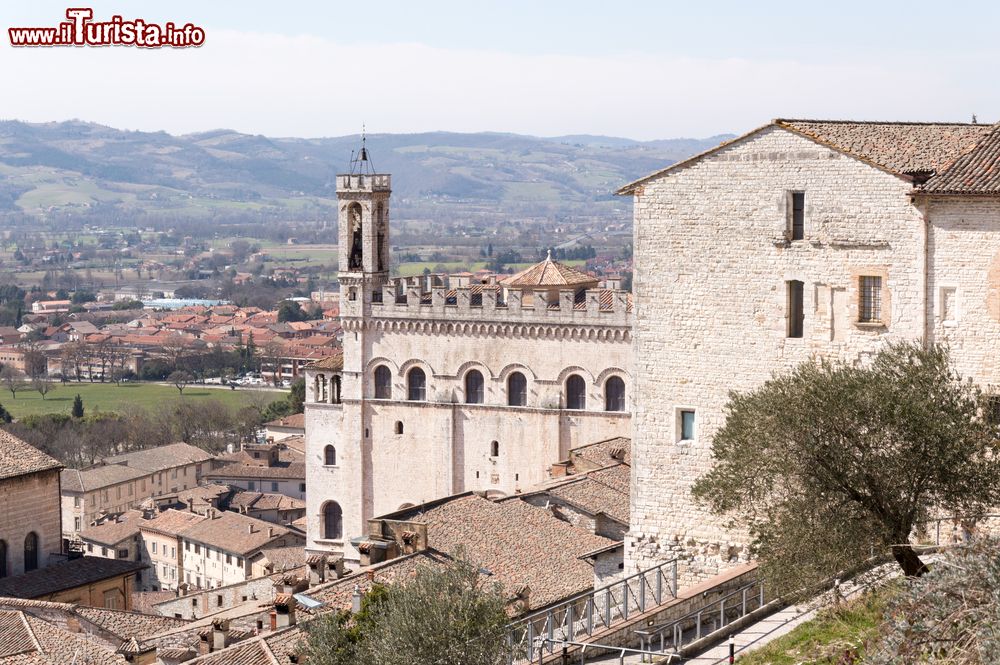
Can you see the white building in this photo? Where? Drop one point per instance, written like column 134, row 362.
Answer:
column 799, row 240
column 443, row 390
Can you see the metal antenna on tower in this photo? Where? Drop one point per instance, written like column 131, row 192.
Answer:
column 361, row 163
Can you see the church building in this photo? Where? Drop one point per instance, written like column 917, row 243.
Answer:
column 446, row 386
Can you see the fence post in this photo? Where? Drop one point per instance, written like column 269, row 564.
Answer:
column 743, row 612
column 590, row 615
column 625, row 600
column 722, row 613
column 570, row 630
column 642, row 593
column 659, row 584
column 697, row 626
column 761, row 594
column 673, row 581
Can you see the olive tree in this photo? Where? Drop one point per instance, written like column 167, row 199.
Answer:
column 833, row 462
column 446, row 614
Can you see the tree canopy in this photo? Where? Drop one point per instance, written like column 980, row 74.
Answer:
column 834, row 462
column 445, row 615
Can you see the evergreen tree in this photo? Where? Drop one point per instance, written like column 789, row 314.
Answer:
column 77, row 407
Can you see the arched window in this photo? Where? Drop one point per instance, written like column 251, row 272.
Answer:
column 330, row 456
column 614, row 394
column 3, row 558
column 321, row 381
column 335, row 389
column 354, row 224
column 517, row 390
column 399, row 427
column 494, row 449
column 383, row 382
column 474, row 387
column 333, row 521
column 30, row 552
column 576, row 392
column 416, row 385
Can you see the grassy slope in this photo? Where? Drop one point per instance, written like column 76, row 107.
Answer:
column 825, row 639
column 109, row 397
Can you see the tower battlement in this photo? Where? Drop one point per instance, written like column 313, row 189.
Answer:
column 362, row 182
column 403, row 298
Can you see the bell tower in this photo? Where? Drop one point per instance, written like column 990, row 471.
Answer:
column 363, row 217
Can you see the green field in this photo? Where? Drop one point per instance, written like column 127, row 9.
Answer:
column 109, row 397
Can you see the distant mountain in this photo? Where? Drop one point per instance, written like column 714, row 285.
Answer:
column 87, row 170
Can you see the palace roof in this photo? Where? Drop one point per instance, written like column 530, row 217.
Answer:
column 549, row 273
column 18, row 458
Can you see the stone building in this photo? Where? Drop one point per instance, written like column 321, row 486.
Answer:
column 270, row 467
column 30, row 520
column 122, row 482
column 799, row 240
column 445, row 388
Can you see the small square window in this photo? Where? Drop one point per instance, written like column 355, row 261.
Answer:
column 686, row 424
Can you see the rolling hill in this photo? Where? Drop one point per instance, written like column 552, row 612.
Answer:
column 87, row 171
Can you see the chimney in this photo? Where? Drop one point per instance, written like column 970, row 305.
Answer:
column 317, row 569
column 250, row 529
column 284, row 610
column 220, row 634
column 270, row 532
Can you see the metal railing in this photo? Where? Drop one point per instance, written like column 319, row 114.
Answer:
column 704, row 621
column 583, row 615
column 620, row 651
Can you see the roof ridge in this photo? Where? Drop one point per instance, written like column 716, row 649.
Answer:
column 31, row 632
column 888, row 122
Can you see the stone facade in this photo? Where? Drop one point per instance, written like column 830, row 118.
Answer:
column 391, row 451
column 713, row 262
column 29, row 504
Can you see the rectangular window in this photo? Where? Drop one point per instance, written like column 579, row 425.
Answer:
column 122, row 554
column 197, row 548
column 870, row 300
column 274, row 487
column 251, row 485
column 686, row 418
column 797, row 216
column 302, row 487
column 796, row 312
column 76, row 523
column 949, row 313
column 154, row 547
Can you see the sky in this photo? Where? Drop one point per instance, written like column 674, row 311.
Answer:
column 642, row 70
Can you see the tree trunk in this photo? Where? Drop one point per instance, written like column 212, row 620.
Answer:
column 908, row 560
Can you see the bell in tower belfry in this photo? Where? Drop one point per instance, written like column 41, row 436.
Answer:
column 363, row 198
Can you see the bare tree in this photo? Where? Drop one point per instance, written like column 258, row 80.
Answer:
column 273, row 353
column 42, row 385
column 13, row 380
column 180, row 379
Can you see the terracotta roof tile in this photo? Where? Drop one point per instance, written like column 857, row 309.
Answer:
column 113, row 531
column 333, row 363
column 66, row 575
column 549, row 273
column 231, row 532
column 161, row 457
column 172, row 522
column 296, row 420
column 18, row 458
column 975, row 172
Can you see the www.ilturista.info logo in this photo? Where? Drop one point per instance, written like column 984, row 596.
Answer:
column 81, row 30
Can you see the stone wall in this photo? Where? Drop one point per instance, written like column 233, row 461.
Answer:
column 30, row 503
column 712, row 264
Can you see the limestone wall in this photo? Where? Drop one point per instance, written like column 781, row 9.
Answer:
column 30, row 503
column 711, row 266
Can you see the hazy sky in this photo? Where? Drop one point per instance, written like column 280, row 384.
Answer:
column 637, row 69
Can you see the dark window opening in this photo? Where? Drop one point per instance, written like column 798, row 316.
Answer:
column 474, row 387
column 517, row 390
column 333, row 520
column 614, row 394
column 495, row 449
column 416, row 385
column 798, row 221
column 354, row 224
column 399, row 427
column 383, row 382
column 576, row 392
column 796, row 312
column 687, row 425
column 31, row 552
column 330, row 456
